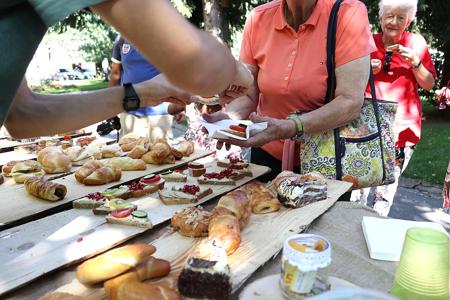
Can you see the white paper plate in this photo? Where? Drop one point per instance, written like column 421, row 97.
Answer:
column 267, row 288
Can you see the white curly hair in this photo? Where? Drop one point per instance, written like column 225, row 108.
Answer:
column 409, row 5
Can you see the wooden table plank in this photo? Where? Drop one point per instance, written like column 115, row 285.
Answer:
column 38, row 247
column 10, row 155
column 262, row 239
column 17, row 204
column 7, row 144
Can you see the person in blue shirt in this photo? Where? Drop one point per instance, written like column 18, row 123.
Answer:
column 129, row 66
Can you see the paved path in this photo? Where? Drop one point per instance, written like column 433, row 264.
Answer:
column 419, row 202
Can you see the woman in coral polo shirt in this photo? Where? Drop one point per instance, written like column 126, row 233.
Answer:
column 401, row 64
column 284, row 45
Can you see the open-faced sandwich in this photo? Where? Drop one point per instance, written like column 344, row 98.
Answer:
column 237, row 130
column 129, row 217
column 174, row 176
column 112, row 204
column 188, row 193
column 232, row 160
column 90, row 201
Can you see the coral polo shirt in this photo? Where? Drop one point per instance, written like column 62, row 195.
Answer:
column 291, row 65
column 401, row 86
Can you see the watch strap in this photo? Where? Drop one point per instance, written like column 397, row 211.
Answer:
column 131, row 100
column 298, row 125
column 418, row 65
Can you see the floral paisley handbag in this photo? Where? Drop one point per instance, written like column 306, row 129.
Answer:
column 362, row 152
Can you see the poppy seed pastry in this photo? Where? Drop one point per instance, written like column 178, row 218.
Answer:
column 206, row 274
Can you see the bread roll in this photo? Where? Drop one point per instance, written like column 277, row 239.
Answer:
column 238, row 203
column 160, row 153
column 142, row 146
column 126, row 163
column 224, row 227
column 177, row 154
column 109, row 151
column 43, row 189
column 61, row 296
column 88, row 153
column 73, row 152
column 103, row 175
column 25, row 169
column 186, row 148
column 113, row 263
column 191, row 221
column 87, row 169
column 6, row 169
column 53, row 161
column 262, row 200
column 135, row 290
column 128, row 141
column 149, row 268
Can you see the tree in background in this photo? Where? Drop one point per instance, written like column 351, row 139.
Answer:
column 96, row 36
column 223, row 18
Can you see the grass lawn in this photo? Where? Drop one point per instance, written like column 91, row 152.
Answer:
column 71, row 86
column 430, row 160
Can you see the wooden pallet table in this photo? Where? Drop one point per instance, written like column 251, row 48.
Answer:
column 18, row 205
column 36, row 248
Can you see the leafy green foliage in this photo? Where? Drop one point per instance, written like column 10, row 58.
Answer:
column 96, row 37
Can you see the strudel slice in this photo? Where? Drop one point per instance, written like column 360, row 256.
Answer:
column 299, row 192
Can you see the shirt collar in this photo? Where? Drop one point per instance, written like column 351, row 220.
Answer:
column 280, row 21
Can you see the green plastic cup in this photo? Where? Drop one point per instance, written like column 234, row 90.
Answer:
column 423, row 270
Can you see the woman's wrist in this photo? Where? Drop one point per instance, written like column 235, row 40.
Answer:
column 290, row 129
column 416, row 66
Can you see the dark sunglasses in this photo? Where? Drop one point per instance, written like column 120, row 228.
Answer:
column 387, row 61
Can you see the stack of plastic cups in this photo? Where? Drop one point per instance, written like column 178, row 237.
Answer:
column 423, row 271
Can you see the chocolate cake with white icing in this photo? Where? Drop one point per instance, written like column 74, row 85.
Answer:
column 296, row 192
column 206, row 274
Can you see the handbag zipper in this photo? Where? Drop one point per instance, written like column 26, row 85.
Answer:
column 363, row 139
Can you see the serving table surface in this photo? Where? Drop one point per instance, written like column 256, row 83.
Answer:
column 341, row 225
column 41, row 243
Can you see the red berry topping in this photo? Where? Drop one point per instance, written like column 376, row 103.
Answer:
column 135, row 186
column 190, row 189
column 220, row 175
column 95, row 196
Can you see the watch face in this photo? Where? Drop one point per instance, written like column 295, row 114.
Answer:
column 131, row 103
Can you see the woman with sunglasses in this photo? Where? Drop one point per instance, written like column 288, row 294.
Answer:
column 401, row 64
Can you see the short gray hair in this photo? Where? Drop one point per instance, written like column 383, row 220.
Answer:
column 409, row 5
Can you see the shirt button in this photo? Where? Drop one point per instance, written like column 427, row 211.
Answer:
column 289, row 65
column 293, row 52
column 286, row 77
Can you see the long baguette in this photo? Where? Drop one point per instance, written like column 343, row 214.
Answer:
column 113, row 263
column 148, row 269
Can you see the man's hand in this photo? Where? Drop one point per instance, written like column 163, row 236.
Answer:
column 376, row 66
column 239, row 86
column 158, row 89
column 277, row 129
column 179, row 117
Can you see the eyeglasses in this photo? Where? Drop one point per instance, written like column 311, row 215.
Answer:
column 387, row 61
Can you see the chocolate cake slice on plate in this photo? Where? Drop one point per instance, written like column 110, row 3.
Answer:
column 206, row 274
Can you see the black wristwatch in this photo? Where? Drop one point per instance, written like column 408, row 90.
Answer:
column 131, row 100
